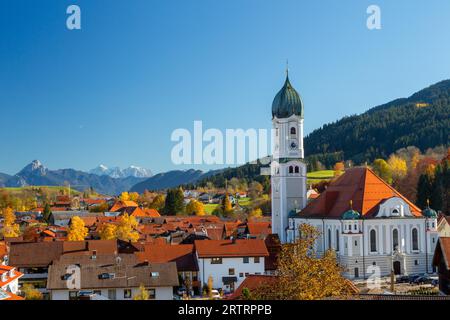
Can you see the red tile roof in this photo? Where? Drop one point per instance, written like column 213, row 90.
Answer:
column 230, row 248
column 252, row 282
column 182, row 254
column 123, row 204
column 259, row 228
column 442, row 251
column 361, row 185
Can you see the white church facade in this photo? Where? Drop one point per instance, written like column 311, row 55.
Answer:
column 369, row 225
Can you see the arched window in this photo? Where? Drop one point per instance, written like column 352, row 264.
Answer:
column 373, row 240
column 329, row 238
column 395, row 239
column 293, row 131
column 291, row 169
column 337, row 239
column 415, row 239
column 296, row 169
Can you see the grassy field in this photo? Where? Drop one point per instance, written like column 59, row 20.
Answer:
column 317, row 176
column 210, row 207
column 51, row 189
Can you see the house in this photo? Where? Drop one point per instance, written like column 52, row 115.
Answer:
column 9, row 279
column 370, row 225
column 444, row 225
column 112, row 276
column 123, row 204
column 182, row 254
column 228, row 262
column 441, row 260
column 34, row 258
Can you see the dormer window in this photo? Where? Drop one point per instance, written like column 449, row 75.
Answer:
column 395, row 212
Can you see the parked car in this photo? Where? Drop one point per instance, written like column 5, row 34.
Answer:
column 403, row 279
column 435, row 282
column 423, row 280
column 414, row 277
column 215, row 294
column 181, row 291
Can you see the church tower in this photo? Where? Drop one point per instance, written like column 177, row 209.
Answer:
column 288, row 170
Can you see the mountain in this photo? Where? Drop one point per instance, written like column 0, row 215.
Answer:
column 172, row 179
column 422, row 120
column 36, row 174
column 3, row 178
column 116, row 172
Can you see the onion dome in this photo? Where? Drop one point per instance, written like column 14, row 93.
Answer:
column 351, row 215
column 428, row 212
column 287, row 102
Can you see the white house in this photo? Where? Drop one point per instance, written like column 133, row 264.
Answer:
column 228, row 262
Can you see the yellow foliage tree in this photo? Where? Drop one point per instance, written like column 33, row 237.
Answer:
column 143, row 294
column 383, row 170
column 255, row 213
column 133, row 196
column 77, row 230
column 302, row 274
column 398, row 166
column 124, row 196
column 108, row 231
column 227, row 207
column 126, row 229
column 10, row 228
column 30, row 293
column 195, row 207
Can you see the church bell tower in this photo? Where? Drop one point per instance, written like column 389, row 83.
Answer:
column 288, row 170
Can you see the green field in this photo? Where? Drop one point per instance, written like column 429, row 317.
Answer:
column 317, row 176
column 210, row 207
column 53, row 189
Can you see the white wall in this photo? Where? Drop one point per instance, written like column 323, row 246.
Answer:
column 162, row 293
column 217, row 271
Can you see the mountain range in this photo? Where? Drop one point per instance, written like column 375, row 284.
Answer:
column 36, row 174
column 116, row 172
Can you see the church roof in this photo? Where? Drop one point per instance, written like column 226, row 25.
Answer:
column 287, row 102
column 363, row 188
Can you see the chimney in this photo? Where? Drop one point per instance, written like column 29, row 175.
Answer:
column 146, row 262
column 233, row 239
column 94, row 254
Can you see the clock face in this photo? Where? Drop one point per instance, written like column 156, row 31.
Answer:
column 293, row 145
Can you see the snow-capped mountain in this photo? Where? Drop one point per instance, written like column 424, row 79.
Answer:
column 116, row 172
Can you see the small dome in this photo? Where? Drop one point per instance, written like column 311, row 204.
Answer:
column 287, row 102
column 351, row 215
column 429, row 213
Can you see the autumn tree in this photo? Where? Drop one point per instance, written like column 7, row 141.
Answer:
column 142, row 294
column 398, row 167
column 77, row 230
column 339, row 168
column 30, row 293
column 126, row 228
column 255, row 213
column 10, row 228
column 302, row 274
column 383, row 170
column 210, row 286
column 195, row 207
column 124, row 196
column 108, row 231
column 158, row 202
column 226, row 206
column 255, row 189
column 133, row 196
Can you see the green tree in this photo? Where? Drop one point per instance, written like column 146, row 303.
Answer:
column 174, row 203
column 383, row 170
column 47, row 214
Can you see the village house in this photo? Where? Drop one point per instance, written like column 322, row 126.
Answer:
column 228, row 262
column 441, row 260
column 111, row 276
column 443, row 225
column 184, row 257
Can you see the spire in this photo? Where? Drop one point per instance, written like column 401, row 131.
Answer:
column 428, row 203
column 351, row 204
column 287, row 68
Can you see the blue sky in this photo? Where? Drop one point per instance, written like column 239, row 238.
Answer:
column 114, row 91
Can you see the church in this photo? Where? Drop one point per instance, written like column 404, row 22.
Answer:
column 363, row 219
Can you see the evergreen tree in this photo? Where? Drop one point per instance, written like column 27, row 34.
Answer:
column 174, row 202
column 47, row 215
